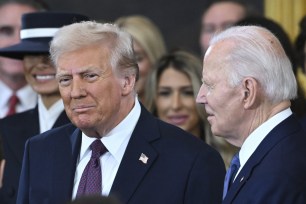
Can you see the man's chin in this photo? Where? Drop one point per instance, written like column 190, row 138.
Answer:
column 82, row 124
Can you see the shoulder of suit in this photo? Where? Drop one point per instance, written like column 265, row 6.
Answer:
column 54, row 133
column 24, row 116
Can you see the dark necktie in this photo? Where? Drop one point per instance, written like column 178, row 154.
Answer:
column 230, row 174
column 12, row 105
column 91, row 180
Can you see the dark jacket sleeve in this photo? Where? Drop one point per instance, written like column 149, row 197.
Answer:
column 206, row 179
column 23, row 190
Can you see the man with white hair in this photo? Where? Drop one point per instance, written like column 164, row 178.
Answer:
column 118, row 147
column 247, row 86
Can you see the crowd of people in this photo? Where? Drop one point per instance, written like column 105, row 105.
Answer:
column 104, row 112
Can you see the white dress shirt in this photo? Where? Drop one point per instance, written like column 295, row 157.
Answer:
column 258, row 135
column 26, row 95
column 47, row 117
column 116, row 142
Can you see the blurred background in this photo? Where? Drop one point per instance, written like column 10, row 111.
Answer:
column 178, row 20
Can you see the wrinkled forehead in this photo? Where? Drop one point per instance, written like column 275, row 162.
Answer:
column 89, row 57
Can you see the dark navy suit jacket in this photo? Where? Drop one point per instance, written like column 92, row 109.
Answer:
column 276, row 171
column 15, row 130
column 303, row 122
column 180, row 169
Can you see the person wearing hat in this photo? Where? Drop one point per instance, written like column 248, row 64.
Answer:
column 13, row 84
column 37, row 31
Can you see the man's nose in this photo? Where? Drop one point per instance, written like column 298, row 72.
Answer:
column 201, row 97
column 78, row 88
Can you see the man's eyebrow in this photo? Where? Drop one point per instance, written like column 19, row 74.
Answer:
column 81, row 71
column 58, row 75
column 6, row 27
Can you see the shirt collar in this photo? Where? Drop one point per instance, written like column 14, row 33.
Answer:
column 5, row 94
column 258, row 135
column 117, row 139
column 48, row 117
column 54, row 110
column 27, row 96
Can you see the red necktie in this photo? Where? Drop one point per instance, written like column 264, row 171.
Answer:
column 12, row 105
column 91, row 180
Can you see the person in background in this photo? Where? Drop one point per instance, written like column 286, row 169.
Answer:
column 170, row 92
column 251, row 110
column 219, row 16
column 37, row 31
column 2, row 162
column 170, row 95
column 119, row 148
column 148, row 44
column 15, row 94
column 300, row 46
column 300, row 43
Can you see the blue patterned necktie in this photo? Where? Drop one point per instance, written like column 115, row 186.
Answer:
column 230, row 174
column 91, row 180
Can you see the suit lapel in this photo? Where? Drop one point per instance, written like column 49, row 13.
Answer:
column 132, row 170
column 27, row 129
column 75, row 142
column 66, row 150
column 272, row 139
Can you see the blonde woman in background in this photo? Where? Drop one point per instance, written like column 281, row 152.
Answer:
column 148, row 44
column 170, row 95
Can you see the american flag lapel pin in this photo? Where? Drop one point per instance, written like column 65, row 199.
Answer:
column 143, row 158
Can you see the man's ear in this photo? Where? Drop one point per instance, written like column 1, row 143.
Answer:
column 128, row 84
column 250, row 92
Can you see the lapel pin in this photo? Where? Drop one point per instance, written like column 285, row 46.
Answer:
column 241, row 179
column 143, row 158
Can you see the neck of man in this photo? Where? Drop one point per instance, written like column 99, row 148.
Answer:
column 263, row 114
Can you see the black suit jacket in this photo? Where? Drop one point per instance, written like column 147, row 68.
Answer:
column 276, row 171
column 180, row 169
column 15, row 130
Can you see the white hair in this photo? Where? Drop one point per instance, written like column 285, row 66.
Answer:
column 75, row 36
column 257, row 53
